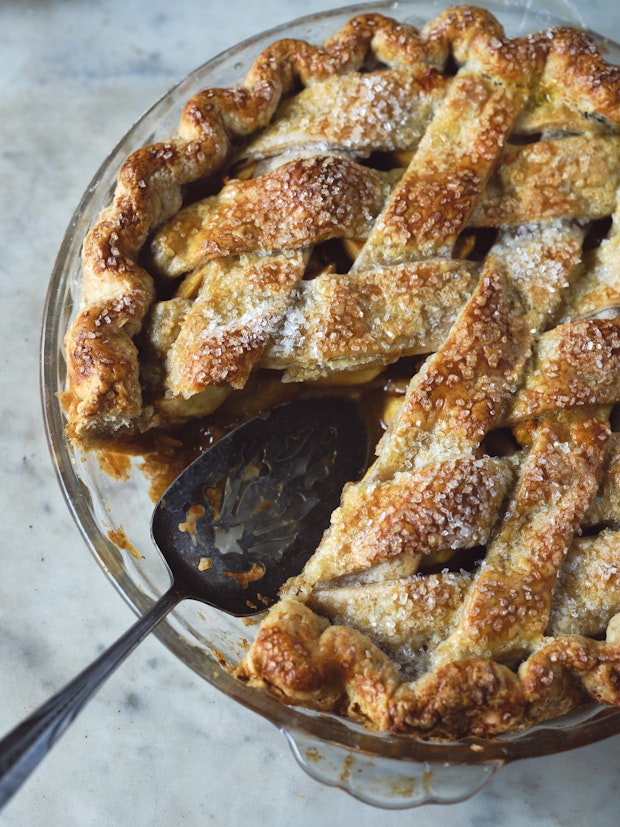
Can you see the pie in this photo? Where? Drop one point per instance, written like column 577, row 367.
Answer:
column 431, row 215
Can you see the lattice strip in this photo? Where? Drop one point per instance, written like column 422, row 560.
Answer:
column 369, row 319
column 434, row 200
column 238, row 308
column 450, row 505
column 386, row 110
column 597, row 292
column 301, row 203
column 575, row 176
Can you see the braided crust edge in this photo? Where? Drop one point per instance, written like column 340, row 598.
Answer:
column 302, row 660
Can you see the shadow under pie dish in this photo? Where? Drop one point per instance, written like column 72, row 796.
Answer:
column 424, row 214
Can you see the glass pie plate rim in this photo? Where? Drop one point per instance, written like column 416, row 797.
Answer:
column 383, row 769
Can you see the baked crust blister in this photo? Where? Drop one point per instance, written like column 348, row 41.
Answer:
column 469, row 181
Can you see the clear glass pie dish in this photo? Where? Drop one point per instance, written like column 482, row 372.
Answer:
column 113, row 516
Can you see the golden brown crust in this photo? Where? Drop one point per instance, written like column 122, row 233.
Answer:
column 299, row 204
column 101, row 399
column 573, row 176
column 293, row 657
column 450, row 505
column 457, row 202
column 369, row 318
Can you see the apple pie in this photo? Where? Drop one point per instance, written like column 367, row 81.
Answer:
column 431, row 213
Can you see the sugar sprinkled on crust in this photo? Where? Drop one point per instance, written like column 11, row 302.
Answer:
column 443, row 194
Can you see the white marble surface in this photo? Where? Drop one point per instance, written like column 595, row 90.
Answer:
column 157, row 746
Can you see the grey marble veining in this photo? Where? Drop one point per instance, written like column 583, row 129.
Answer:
column 157, row 746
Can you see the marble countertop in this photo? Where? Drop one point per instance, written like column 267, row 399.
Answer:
column 156, row 746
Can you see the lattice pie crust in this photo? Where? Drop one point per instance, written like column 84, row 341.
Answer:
column 469, row 184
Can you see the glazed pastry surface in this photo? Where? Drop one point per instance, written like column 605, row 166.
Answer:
column 442, row 200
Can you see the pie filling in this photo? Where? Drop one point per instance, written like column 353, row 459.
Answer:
column 427, row 219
